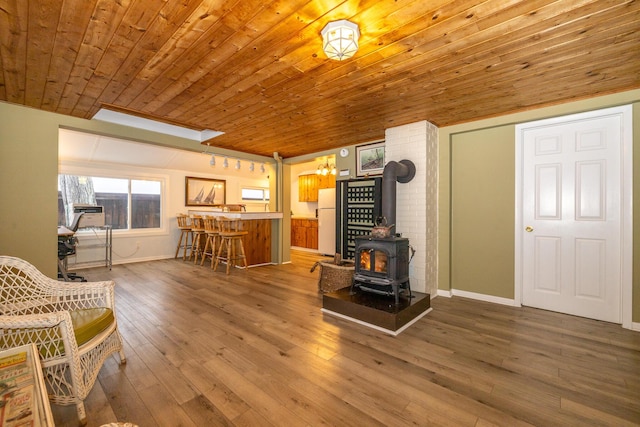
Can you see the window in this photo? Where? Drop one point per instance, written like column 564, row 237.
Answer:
column 255, row 194
column 129, row 204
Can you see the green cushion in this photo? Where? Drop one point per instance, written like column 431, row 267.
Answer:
column 89, row 322
column 86, row 323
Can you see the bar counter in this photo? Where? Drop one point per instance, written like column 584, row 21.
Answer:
column 258, row 243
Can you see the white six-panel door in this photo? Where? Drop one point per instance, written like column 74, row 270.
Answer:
column 571, row 215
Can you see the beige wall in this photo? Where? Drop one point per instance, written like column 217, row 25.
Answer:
column 477, row 205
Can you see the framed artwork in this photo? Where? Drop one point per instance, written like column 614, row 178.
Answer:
column 204, row 191
column 370, row 159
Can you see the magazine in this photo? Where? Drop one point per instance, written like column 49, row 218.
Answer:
column 18, row 398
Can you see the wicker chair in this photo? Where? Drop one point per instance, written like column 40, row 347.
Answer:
column 73, row 325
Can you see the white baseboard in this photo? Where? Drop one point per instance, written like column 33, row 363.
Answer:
column 476, row 296
column 635, row 326
column 142, row 259
column 301, row 249
column 94, row 264
column 486, row 298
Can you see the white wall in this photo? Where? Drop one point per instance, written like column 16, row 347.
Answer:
column 143, row 245
column 417, row 199
column 302, row 209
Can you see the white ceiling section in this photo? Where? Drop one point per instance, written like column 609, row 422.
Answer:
column 155, row 126
column 85, row 147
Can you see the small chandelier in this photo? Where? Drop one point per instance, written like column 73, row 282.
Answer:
column 340, row 39
column 326, row 168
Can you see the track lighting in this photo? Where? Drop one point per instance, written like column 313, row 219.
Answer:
column 225, row 163
column 212, row 162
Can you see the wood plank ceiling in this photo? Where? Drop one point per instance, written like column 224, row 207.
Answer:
column 255, row 69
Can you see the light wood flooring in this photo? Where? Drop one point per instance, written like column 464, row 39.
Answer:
column 253, row 349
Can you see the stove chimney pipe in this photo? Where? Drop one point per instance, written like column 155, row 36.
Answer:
column 403, row 172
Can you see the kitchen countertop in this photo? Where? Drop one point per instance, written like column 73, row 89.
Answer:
column 239, row 215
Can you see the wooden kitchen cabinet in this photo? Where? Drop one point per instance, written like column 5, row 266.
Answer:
column 326, row 181
column 308, row 186
column 298, row 233
column 304, row 233
column 312, row 235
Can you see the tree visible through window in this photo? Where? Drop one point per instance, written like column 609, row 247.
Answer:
column 125, row 201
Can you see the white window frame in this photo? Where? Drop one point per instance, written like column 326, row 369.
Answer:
column 69, row 169
column 255, row 201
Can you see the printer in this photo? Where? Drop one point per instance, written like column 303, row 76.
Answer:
column 93, row 215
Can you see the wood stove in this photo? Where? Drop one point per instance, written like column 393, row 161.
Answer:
column 382, row 266
column 382, row 262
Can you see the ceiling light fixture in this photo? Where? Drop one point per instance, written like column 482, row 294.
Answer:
column 326, row 168
column 252, row 166
column 212, row 162
column 225, row 163
column 238, row 164
column 262, row 169
column 340, row 39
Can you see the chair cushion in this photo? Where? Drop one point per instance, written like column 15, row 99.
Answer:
column 86, row 323
column 89, row 322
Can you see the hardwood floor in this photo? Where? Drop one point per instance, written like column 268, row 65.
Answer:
column 253, row 349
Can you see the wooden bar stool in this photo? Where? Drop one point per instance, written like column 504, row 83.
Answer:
column 213, row 238
column 230, row 242
column 197, row 228
column 184, row 224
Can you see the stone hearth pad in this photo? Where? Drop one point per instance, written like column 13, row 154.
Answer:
column 376, row 311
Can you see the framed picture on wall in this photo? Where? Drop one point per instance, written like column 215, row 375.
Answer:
column 204, row 191
column 370, row 159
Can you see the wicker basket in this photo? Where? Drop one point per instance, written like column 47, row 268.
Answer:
column 334, row 276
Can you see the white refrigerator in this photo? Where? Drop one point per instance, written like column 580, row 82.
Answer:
column 327, row 221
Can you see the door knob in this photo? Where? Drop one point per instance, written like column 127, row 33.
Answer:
column 529, row 229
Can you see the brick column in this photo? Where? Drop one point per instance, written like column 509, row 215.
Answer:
column 416, row 210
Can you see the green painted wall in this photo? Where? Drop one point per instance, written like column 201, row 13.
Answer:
column 28, row 186
column 636, row 212
column 482, row 214
column 476, row 199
